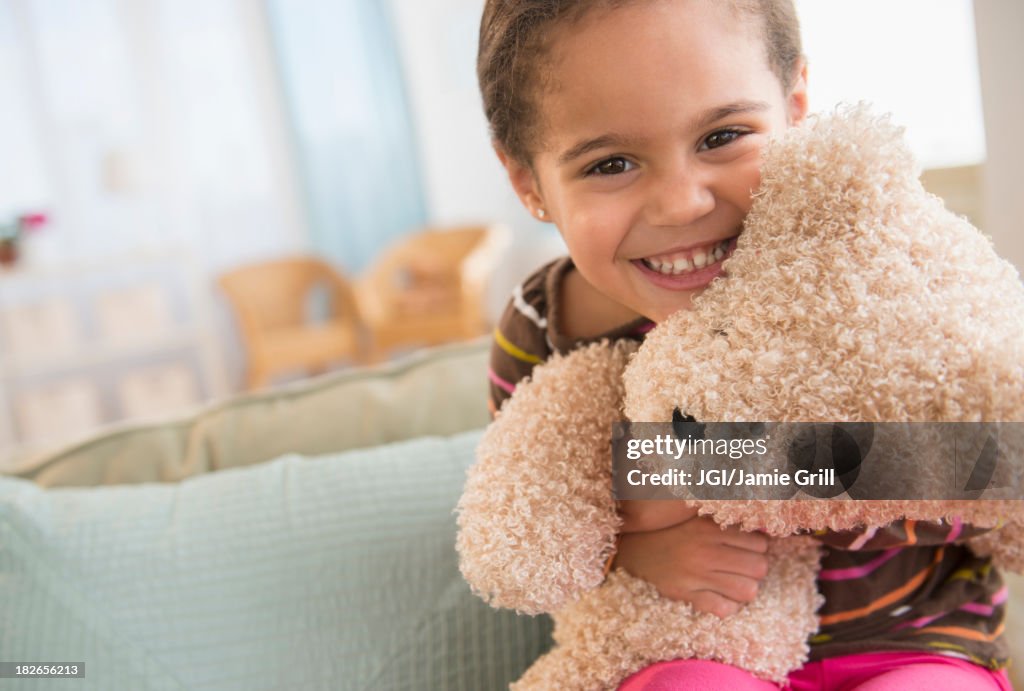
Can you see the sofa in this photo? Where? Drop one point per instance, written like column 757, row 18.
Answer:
column 299, row 538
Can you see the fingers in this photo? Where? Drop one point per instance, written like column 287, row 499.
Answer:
column 740, row 562
column 722, row 596
column 716, row 570
column 740, row 539
column 735, row 575
column 740, row 589
column 713, row 603
column 725, row 594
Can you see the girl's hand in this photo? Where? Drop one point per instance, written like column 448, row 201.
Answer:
column 715, row 569
column 641, row 515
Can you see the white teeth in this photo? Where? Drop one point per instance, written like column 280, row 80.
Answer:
column 699, row 260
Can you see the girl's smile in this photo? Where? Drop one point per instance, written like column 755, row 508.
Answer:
column 651, row 121
column 688, row 269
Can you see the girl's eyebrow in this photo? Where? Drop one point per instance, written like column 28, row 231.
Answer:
column 587, row 145
column 717, row 113
column 700, row 122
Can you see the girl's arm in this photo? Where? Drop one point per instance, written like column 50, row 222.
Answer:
column 643, row 515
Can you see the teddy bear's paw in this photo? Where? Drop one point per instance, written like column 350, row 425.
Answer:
column 571, row 393
column 537, row 518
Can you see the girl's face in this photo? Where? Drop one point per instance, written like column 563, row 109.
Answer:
column 652, row 128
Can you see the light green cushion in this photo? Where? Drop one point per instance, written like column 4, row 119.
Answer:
column 334, row 572
column 435, row 391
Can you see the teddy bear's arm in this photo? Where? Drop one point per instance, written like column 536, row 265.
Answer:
column 537, row 518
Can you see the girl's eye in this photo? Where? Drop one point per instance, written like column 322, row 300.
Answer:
column 610, row 166
column 721, row 138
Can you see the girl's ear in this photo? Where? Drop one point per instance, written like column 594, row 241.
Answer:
column 796, row 100
column 524, row 182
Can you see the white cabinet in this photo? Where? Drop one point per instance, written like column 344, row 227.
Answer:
column 85, row 346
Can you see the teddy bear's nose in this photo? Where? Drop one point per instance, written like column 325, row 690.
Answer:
column 686, row 426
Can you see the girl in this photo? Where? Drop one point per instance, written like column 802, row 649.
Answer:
column 636, row 127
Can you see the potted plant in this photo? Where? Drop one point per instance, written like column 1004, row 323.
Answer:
column 12, row 231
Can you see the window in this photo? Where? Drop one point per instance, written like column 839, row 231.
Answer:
column 914, row 58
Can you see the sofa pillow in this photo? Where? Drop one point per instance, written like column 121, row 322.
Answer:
column 434, row 391
column 333, row 572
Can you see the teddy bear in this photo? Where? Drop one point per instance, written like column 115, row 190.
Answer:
column 852, row 295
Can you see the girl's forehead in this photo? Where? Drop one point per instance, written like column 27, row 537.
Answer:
column 652, row 61
column 651, row 44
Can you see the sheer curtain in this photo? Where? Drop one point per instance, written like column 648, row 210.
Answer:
column 224, row 131
column 152, row 133
column 145, row 125
column 350, row 124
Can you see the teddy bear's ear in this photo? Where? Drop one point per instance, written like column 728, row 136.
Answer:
column 820, row 179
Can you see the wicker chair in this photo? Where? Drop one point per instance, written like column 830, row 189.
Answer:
column 272, row 303
column 418, row 292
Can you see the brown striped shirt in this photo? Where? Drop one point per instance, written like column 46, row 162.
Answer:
column 909, row 586
column 528, row 332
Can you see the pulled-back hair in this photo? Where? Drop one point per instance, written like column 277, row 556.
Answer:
column 513, row 37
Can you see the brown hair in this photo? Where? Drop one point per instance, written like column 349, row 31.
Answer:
column 512, row 35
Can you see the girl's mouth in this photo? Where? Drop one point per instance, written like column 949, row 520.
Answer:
column 689, row 269
column 692, row 260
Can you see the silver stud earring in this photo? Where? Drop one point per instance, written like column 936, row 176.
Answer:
column 541, row 213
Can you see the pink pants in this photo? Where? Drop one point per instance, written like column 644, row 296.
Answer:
column 893, row 671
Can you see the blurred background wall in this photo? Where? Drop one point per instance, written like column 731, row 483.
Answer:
column 1000, row 24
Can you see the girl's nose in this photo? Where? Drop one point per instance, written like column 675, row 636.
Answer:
column 680, row 199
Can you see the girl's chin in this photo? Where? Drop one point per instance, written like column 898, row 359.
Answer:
column 662, row 312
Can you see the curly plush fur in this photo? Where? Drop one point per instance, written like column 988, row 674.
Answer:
column 852, row 295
